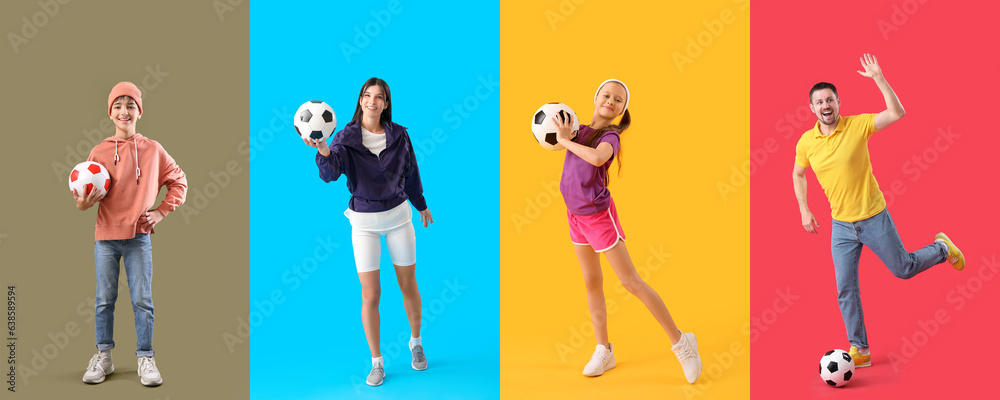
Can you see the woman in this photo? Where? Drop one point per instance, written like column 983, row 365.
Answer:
column 376, row 156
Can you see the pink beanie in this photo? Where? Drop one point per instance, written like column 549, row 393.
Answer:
column 125, row 89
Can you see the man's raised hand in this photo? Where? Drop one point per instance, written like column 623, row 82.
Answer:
column 870, row 64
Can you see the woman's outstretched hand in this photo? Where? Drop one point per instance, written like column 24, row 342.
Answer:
column 318, row 144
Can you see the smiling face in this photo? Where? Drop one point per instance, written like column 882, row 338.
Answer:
column 372, row 101
column 124, row 113
column 826, row 105
column 610, row 101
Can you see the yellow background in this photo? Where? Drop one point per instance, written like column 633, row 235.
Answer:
column 690, row 125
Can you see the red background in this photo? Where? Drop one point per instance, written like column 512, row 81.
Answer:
column 942, row 62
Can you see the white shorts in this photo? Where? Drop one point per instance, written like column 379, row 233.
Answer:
column 395, row 225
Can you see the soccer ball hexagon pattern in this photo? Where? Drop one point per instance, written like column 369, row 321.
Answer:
column 544, row 128
column 315, row 120
column 88, row 176
column 836, row 368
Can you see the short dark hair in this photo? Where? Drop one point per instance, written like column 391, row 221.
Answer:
column 124, row 98
column 821, row 86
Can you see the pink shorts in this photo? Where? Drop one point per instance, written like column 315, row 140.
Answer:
column 600, row 231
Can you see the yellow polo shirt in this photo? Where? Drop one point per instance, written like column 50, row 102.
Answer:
column 843, row 167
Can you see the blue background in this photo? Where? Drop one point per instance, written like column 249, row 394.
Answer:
column 307, row 340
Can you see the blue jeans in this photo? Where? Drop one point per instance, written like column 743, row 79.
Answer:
column 879, row 234
column 138, row 255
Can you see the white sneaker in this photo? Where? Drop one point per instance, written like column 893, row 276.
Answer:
column 686, row 351
column 148, row 374
column 98, row 368
column 602, row 360
column 375, row 377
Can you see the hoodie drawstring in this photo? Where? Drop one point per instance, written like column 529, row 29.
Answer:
column 137, row 172
column 136, row 159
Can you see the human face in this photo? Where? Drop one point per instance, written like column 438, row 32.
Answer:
column 373, row 101
column 124, row 113
column 826, row 105
column 610, row 101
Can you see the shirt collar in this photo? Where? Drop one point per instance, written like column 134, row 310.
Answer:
column 818, row 134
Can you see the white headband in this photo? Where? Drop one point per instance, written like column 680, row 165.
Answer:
column 627, row 96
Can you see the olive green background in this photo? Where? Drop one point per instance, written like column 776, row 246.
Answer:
column 193, row 68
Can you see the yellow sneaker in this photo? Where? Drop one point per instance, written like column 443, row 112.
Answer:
column 955, row 256
column 860, row 360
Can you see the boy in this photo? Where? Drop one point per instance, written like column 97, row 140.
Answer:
column 124, row 222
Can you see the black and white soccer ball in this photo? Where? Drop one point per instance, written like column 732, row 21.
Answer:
column 315, row 120
column 544, row 128
column 836, row 368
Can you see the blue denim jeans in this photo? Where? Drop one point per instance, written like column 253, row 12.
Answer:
column 137, row 254
column 879, row 234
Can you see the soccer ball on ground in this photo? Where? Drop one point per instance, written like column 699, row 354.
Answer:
column 836, row 368
column 544, row 128
column 315, row 120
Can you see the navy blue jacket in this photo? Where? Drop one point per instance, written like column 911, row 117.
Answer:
column 376, row 182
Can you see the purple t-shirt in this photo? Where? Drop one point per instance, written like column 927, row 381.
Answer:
column 582, row 185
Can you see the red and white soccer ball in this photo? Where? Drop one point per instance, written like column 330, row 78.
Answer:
column 836, row 368
column 88, row 176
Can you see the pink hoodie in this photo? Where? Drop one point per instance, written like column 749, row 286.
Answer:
column 139, row 166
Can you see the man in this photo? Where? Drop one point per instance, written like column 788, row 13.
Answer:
column 837, row 150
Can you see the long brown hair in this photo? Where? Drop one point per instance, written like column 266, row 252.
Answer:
column 620, row 128
column 386, row 113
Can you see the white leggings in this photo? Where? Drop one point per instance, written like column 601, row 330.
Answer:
column 401, row 241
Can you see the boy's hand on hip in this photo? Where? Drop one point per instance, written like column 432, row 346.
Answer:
column 151, row 218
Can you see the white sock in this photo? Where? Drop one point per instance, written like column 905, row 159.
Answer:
column 105, row 353
column 863, row 350
column 943, row 244
column 414, row 342
column 376, row 362
column 679, row 341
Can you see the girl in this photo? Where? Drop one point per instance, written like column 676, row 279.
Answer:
column 594, row 227
column 376, row 156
